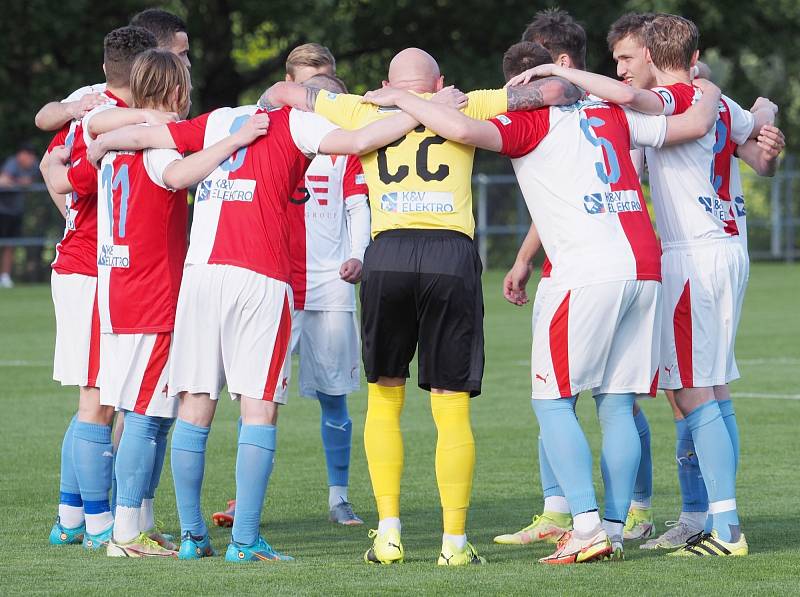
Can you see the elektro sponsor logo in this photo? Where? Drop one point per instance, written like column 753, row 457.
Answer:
column 114, row 256
column 417, row 202
column 611, row 202
column 224, row 189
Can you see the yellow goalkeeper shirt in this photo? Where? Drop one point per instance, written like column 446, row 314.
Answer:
column 421, row 180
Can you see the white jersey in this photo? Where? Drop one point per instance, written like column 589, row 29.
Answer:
column 574, row 167
column 329, row 223
column 686, row 185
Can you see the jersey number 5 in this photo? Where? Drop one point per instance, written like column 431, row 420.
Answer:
column 111, row 183
column 587, row 126
column 442, row 170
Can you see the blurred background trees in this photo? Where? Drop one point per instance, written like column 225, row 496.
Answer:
column 49, row 48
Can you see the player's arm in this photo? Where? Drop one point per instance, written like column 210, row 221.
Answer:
column 517, row 277
column 368, row 138
column 57, row 171
column 548, row 91
column 764, row 112
column 444, row 120
column 114, row 118
column 617, row 92
column 130, row 138
column 762, row 154
column 184, row 173
column 698, row 119
column 358, row 229
column 59, row 200
column 288, row 93
column 54, row 115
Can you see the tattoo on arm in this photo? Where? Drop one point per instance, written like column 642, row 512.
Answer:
column 311, row 97
column 525, row 97
column 531, row 96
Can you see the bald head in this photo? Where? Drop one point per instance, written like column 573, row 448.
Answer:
column 415, row 70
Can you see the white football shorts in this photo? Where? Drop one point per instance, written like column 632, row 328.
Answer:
column 77, row 354
column 603, row 337
column 329, row 348
column 232, row 326
column 704, row 287
column 133, row 372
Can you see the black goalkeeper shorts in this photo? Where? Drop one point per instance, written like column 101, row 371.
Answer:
column 423, row 287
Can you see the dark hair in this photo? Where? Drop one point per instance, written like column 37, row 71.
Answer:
column 632, row 24
column 557, row 31
column 164, row 25
column 522, row 56
column 672, row 41
column 120, row 48
column 326, row 82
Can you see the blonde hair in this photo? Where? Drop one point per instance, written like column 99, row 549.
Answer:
column 314, row 55
column 155, row 76
column 672, row 41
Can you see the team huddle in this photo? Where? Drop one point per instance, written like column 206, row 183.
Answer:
column 313, row 190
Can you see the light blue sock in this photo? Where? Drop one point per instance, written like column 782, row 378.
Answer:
column 70, row 492
column 643, row 487
column 135, row 458
column 253, row 467
column 715, row 453
column 188, row 461
column 620, row 454
column 161, row 451
column 550, row 486
column 92, row 457
column 336, row 430
column 568, row 451
column 690, row 479
column 729, row 416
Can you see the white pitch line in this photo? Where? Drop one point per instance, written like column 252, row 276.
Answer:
column 24, row 363
column 774, row 361
column 767, row 396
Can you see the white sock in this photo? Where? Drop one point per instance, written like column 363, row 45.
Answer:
column 613, row 529
column 147, row 521
column 71, row 516
column 336, row 495
column 695, row 520
column 97, row 523
column 460, row 541
column 126, row 524
column 641, row 504
column 586, row 522
column 556, row 503
column 384, row 524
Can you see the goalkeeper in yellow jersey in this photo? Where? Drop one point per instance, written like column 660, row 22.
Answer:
column 421, row 287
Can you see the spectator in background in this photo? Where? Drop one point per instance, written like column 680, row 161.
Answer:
column 19, row 170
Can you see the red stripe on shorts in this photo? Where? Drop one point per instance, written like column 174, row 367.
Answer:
column 94, row 346
column 682, row 325
column 654, row 385
column 152, row 373
column 559, row 347
column 279, row 351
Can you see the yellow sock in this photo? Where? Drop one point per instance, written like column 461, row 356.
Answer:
column 455, row 458
column 383, row 444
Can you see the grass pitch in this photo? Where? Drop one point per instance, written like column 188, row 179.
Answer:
column 35, row 412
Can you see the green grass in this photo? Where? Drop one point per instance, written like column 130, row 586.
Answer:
column 506, row 492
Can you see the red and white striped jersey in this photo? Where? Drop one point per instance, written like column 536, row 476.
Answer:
column 690, row 182
column 141, row 242
column 240, row 208
column 76, row 253
column 574, row 168
column 323, row 233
